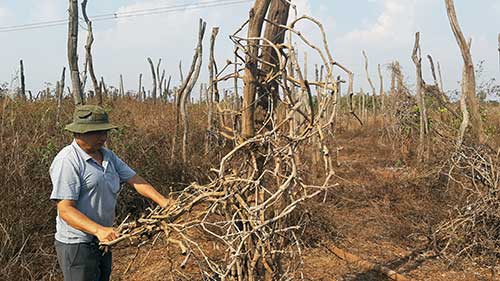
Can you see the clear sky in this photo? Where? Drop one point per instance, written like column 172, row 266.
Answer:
column 384, row 28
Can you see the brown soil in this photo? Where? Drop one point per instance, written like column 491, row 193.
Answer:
column 380, row 212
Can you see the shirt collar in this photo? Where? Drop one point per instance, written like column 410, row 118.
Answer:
column 80, row 151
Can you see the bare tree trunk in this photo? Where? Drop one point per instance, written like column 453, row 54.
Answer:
column 88, row 48
column 424, row 129
column 23, row 85
column 154, row 79
column 381, row 90
column 176, row 127
column 59, row 95
column 211, row 88
column 433, row 70
column 363, row 106
column 104, row 91
column 122, row 90
column 167, row 89
column 160, row 85
column 468, row 79
column 139, row 91
column 465, row 115
column 209, row 95
column 236, row 81
column 371, row 85
column 187, row 87
column 268, row 98
column 72, row 52
column 256, row 20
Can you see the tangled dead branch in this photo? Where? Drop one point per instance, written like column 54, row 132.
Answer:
column 473, row 229
column 249, row 210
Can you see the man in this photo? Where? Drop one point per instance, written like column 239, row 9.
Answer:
column 86, row 179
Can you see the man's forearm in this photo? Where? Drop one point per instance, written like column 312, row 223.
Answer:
column 78, row 220
column 147, row 190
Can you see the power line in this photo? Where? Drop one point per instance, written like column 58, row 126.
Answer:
column 128, row 14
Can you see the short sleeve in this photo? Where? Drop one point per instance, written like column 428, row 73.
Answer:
column 65, row 179
column 124, row 171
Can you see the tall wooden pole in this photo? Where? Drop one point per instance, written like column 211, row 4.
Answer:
column 76, row 84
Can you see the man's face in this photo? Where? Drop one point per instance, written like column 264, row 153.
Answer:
column 94, row 140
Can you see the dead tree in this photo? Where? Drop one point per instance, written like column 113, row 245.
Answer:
column 23, row 85
column 371, row 85
column 59, row 94
column 76, row 84
column 161, row 84
column 381, row 90
column 167, row 88
column 122, row 90
column 187, row 87
column 159, row 77
column 363, row 105
column 255, row 23
column 251, row 209
column 235, row 80
column 153, row 91
column 468, row 81
column 104, row 89
column 139, row 91
column 277, row 15
column 212, row 88
column 89, row 64
column 437, row 92
column 424, row 127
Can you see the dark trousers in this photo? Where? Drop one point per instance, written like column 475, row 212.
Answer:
column 83, row 261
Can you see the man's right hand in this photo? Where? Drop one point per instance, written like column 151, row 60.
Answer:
column 106, row 234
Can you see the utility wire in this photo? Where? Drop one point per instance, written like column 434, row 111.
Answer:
column 128, row 14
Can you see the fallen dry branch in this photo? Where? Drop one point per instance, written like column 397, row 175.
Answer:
column 366, row 265
column 473, row 227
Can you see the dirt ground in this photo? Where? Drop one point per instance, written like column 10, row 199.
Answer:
column 379, row 212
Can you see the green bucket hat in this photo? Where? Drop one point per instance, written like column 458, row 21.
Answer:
column 89, row 118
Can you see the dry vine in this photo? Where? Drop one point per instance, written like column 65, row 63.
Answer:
column 249, row 209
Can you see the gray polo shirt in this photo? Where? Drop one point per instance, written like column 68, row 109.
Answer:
column 77, row 176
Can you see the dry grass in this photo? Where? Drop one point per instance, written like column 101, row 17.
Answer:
column 30, row 139
column 386, row 198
